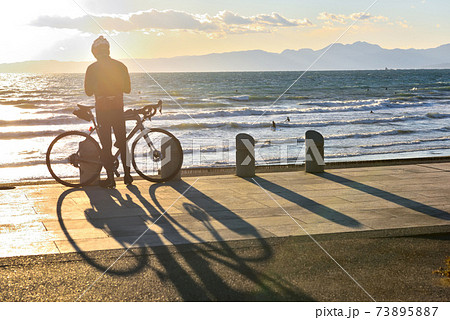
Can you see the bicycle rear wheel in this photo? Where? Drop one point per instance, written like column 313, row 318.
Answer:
column 157, row 155
column 71, row 152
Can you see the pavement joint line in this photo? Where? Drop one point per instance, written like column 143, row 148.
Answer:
column 316, row 242
column 430, row 167
column 127, row 249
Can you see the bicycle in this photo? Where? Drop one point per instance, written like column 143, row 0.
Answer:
column 156, row 154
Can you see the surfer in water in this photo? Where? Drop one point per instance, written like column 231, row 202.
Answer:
column 288, row 119
column 273, row 126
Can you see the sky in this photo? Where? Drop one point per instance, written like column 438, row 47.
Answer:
column 65, row 29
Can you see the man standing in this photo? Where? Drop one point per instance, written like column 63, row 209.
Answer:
column 108, row 80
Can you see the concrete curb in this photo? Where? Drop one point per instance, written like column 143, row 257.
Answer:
column 199, row 171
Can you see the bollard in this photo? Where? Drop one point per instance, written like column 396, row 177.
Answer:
column 314, row 158
column 245, row 155
column 169, row 151
column 89, row 151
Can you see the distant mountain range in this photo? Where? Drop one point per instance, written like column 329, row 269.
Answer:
column 356, row 56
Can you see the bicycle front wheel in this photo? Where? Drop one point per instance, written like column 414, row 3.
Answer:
column 157, row 155
column 73, row 159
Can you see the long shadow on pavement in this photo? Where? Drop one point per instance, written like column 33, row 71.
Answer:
column 188, row 269
column 311, row 205
column 407, row 203
column 214, row 286
column 102, row 203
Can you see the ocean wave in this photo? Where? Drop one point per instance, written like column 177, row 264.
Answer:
column 19, row 164
column 58, row 120
column 291, row 124
column 203, row 104
column 345, row 103
column 28, row 101
column 392, row 132
column 28, row 134
column 354, row 154
column 218, row 114
column 401, row 143
column 288, row 97
column 228, row 145
column 437, row 115
column 26, row 106
column 7, row 91
column 208, row 149
column 240, row 98
column 441, row 88
column 258, row 111
column 245, row 97
column 360, row 105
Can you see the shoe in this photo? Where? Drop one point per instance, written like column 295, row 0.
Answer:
column 128, row 179
column 108, row 183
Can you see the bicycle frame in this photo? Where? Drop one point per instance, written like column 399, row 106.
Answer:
column 143, row 139
column 138, row 127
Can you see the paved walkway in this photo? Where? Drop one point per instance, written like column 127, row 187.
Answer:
column 46, row 219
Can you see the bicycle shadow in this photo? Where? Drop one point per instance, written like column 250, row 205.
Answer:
column 187, row 267
column 102, row 203
column 201, row 254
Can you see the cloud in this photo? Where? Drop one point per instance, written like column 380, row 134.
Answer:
column 277, row 20
column 361, row 16
column 331, row 18
column 231, row 18
column 170, row 19
column 83, row 24
column 113, row 7
column 403, row 24
column 225, row 22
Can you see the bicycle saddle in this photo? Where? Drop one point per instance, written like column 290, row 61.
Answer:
column 84, row 112
column 85, row 108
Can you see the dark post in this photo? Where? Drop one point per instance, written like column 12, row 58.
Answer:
column 314, row 158
column 169, row 151
column 245, row 155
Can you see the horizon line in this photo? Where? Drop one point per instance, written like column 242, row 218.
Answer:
column 252, row 71
column 225, row 52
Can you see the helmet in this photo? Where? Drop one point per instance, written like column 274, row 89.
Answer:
column 100, row 47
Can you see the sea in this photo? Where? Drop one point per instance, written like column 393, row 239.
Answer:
column 363, row 115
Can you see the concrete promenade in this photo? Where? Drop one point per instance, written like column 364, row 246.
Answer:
column 52, row 219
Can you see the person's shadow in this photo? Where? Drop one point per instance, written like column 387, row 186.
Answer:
column 103, row 202
column 200, row 254
column 198, row 280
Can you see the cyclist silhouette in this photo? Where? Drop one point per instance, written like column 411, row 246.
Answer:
column 108, row 80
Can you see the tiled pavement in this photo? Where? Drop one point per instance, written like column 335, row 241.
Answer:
column 43, row 219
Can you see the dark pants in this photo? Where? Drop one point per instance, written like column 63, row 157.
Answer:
column 110, row 115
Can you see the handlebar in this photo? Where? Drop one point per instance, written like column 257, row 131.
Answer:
column 147, row 111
